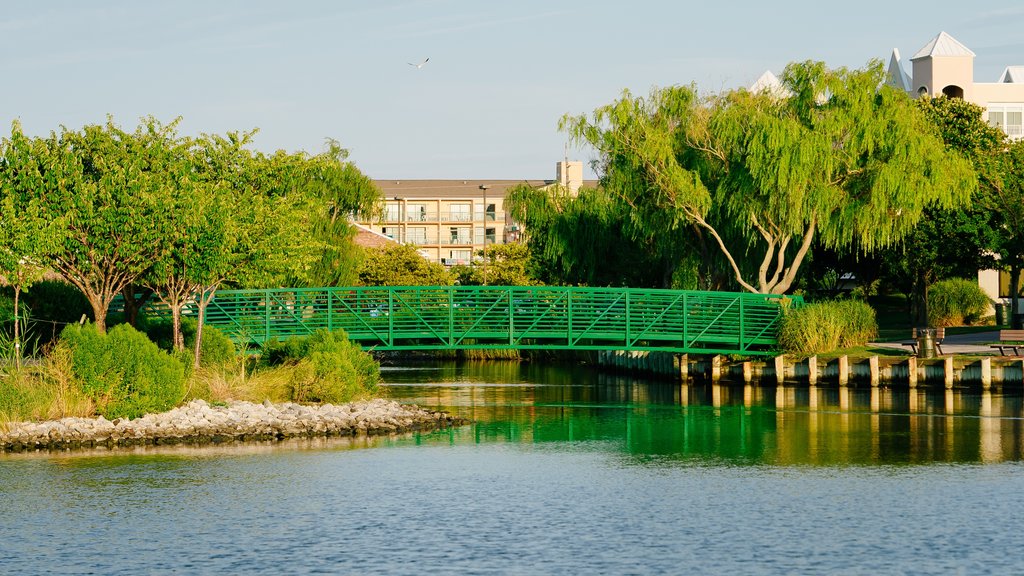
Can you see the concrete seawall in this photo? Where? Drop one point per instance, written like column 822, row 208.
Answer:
column 948, row 371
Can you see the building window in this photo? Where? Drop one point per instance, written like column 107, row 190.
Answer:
column 417, row 213
column 458, row 235
column 417, row 235
column 1008, row 118
column 460, row 256
column 392, row 212
column 489, row 215
column 389, row 232
column 460, row 213
column 489, row 236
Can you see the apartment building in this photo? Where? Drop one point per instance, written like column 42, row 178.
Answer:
column 451, row 220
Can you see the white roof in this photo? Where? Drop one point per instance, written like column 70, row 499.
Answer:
column 768, row 82
column 1013, row 75
column 898, row 77
column 943, row 45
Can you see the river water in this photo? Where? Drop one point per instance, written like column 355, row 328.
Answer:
column 565, row 471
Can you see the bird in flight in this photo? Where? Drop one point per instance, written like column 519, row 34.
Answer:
column 420, row 65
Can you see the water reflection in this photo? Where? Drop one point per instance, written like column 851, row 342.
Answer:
column 816, row 425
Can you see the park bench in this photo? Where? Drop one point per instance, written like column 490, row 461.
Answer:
column 1010, row 340
column 940, row 335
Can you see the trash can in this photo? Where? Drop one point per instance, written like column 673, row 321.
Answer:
column 926, row 343
column 1002, row 314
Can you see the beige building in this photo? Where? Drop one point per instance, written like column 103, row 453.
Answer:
column 944, row 66
column 451, row 220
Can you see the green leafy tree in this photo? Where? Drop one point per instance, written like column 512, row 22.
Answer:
column 590, row 239
column 500, row 265
column 838, row 157
column 401, row 265
column 28, row 237
column 951, row 242
column 111, row 188
column 1004, row 177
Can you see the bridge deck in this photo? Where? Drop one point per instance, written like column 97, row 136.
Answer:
column 489, row 317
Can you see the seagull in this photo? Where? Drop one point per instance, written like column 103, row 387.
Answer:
column 420, row 65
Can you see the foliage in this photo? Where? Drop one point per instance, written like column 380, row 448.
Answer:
column 326, row 367
column 956, row 301
column 1004, row 177
column 827, row 326
column 952, row 242
column 401, row 265
column 123, row 372
column 48, row 390
column 590, row 239
column 216, row 347
column 500, row 265
column 836, row 156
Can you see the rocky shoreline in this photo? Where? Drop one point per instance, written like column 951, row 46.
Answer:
column 200, row 423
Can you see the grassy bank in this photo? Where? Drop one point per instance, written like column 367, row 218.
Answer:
column 126, row 374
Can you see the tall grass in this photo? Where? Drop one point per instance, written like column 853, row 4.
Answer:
column 44, row 390
column 827, row 326
column 956, row 301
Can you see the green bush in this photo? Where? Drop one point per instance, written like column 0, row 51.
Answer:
column 325, row 367
column 216, row 349
column 955, row 302
column 827, row 326
column 124, row 373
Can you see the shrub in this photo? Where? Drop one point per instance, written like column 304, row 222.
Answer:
column 334, row 370
column 123, row 372
column 216, row 348
column 956, row 301
column 827, row 326
column 325, row 367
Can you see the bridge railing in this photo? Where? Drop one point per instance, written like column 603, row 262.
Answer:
column 482, row 317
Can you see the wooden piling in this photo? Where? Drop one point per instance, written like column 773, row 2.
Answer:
column 716, row 368
column 873, row 370
column 780, row 370
column 684, row 366
column 748, row 372
column 947, row 369
column 912, row 372
column 844, row 370
column 812, row 371
column 986, row 373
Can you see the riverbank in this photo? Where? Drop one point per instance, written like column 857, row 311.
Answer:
column 198, row 422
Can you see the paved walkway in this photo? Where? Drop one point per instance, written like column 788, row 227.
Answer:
column 976, row 343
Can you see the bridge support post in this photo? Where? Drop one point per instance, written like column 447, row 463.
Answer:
column 780, row 370
column 748, row 372
column 844, row 369
column 986, row 373
column 716, row 368
column 683, row 366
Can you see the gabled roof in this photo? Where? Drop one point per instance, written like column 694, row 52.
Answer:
column 770, row 83
column 1013, row 75
column 898, row 77
column 942, row 45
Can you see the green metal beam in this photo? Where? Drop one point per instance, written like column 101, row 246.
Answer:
column 507, row 317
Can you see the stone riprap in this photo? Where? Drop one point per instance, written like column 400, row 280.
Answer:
column 199, row 422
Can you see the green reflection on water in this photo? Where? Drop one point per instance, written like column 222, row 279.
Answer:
column 574, row 406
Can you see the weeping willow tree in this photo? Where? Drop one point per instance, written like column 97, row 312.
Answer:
column 587, row 239
column 834, row 156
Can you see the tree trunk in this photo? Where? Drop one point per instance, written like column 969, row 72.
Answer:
column 17, row 336
column 99, row 312
column 919, row 301
column 177, row 337
column 1015, row 318
column 133, row 303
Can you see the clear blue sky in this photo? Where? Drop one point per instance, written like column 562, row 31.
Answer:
column 487, row 104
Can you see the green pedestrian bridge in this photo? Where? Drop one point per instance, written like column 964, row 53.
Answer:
column 505, row 317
